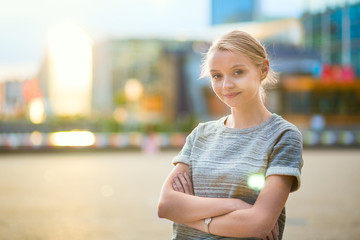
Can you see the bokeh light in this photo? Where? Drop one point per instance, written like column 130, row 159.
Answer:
column 37, row 111
column 328, row 138
column 36, row 138
column 311, row 138
column 346, row 138
column 256, row 181
column 72, row 138
column 133, row 90
column 71, row 70
column 120, row 114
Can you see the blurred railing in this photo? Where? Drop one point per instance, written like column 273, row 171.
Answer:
column 88, row 140
column 148, row 142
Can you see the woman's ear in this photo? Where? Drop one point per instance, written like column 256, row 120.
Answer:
column 264, row 69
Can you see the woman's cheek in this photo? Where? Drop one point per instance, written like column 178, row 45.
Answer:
column 216, row 86
column 216, row 89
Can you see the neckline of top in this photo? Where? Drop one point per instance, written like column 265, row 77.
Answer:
column 245, row 130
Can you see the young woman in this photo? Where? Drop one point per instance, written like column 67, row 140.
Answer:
column 210, row 192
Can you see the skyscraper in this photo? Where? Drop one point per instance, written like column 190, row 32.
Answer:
column 232, row 11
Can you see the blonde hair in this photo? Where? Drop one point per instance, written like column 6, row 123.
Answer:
column 242, row 43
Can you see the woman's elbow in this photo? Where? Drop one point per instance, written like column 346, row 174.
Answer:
column 166, row 209
column 162, row 209
column 262, row 227
column 165, row 205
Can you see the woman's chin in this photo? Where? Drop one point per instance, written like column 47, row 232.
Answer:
column 231, row 105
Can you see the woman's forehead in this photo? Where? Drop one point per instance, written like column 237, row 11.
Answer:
column 227, row 58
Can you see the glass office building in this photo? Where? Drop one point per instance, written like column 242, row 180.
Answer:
column 336, row 34
column 333, row 92
column 232, row 11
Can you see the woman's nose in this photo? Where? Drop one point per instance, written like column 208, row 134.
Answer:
column 228, row 83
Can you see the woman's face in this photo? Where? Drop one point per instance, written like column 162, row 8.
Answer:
column 234, row 78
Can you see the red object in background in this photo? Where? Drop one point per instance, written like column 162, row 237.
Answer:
column 347, row 74
column 31, row 89
column 326, row 73
column 337, row 73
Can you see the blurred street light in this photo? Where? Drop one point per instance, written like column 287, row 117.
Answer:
column 133, row 90
column 37, row 111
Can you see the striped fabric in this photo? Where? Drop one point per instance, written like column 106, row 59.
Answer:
column 222, row 159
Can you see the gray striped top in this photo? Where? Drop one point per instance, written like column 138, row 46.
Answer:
column 222, row 159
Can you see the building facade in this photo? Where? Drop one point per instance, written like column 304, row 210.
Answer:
column 335, row 33
column 166, row 71
column 232, row 11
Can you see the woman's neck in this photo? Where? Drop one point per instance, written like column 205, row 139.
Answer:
column 247, row 117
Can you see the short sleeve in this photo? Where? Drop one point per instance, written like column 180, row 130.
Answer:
column 286, row 157
column 185, row 153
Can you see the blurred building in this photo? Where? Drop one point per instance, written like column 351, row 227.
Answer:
column 2, row 99
column 335, row 33
column 12, row 100
column 329, row 90
column 232, row 11
column 165, row 77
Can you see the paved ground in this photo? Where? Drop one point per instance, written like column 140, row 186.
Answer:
column 113, row 195
column 328, row 204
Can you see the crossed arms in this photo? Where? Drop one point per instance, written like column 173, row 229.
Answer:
column 231, row 217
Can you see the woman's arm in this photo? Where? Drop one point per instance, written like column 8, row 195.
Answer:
column 181, row 208
column 257, row 221
column 183, row 184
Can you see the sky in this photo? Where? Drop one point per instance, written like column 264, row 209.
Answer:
column 25, row 24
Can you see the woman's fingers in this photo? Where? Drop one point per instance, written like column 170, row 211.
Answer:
column 175, row 187
column 274, row 234
column 276, row 231
column 184, row 183
column 178, row 185
column 188, row 180
column 269, row 236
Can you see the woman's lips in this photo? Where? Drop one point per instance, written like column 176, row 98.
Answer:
column 231, row 95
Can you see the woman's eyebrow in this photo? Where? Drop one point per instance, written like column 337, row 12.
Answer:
column 237, row 65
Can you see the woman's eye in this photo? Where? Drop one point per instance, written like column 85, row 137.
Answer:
column 238, row 72
column 216, row 76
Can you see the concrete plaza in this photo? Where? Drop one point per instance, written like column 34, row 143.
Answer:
column 113, row 195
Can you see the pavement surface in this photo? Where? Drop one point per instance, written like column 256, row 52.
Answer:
column 113, row 195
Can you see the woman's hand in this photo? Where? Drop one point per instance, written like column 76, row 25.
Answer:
column 178, row 206
column 182, row 183
column 274, row 234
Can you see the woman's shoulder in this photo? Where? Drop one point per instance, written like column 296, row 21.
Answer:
column 281, row 126
column 280, row 123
